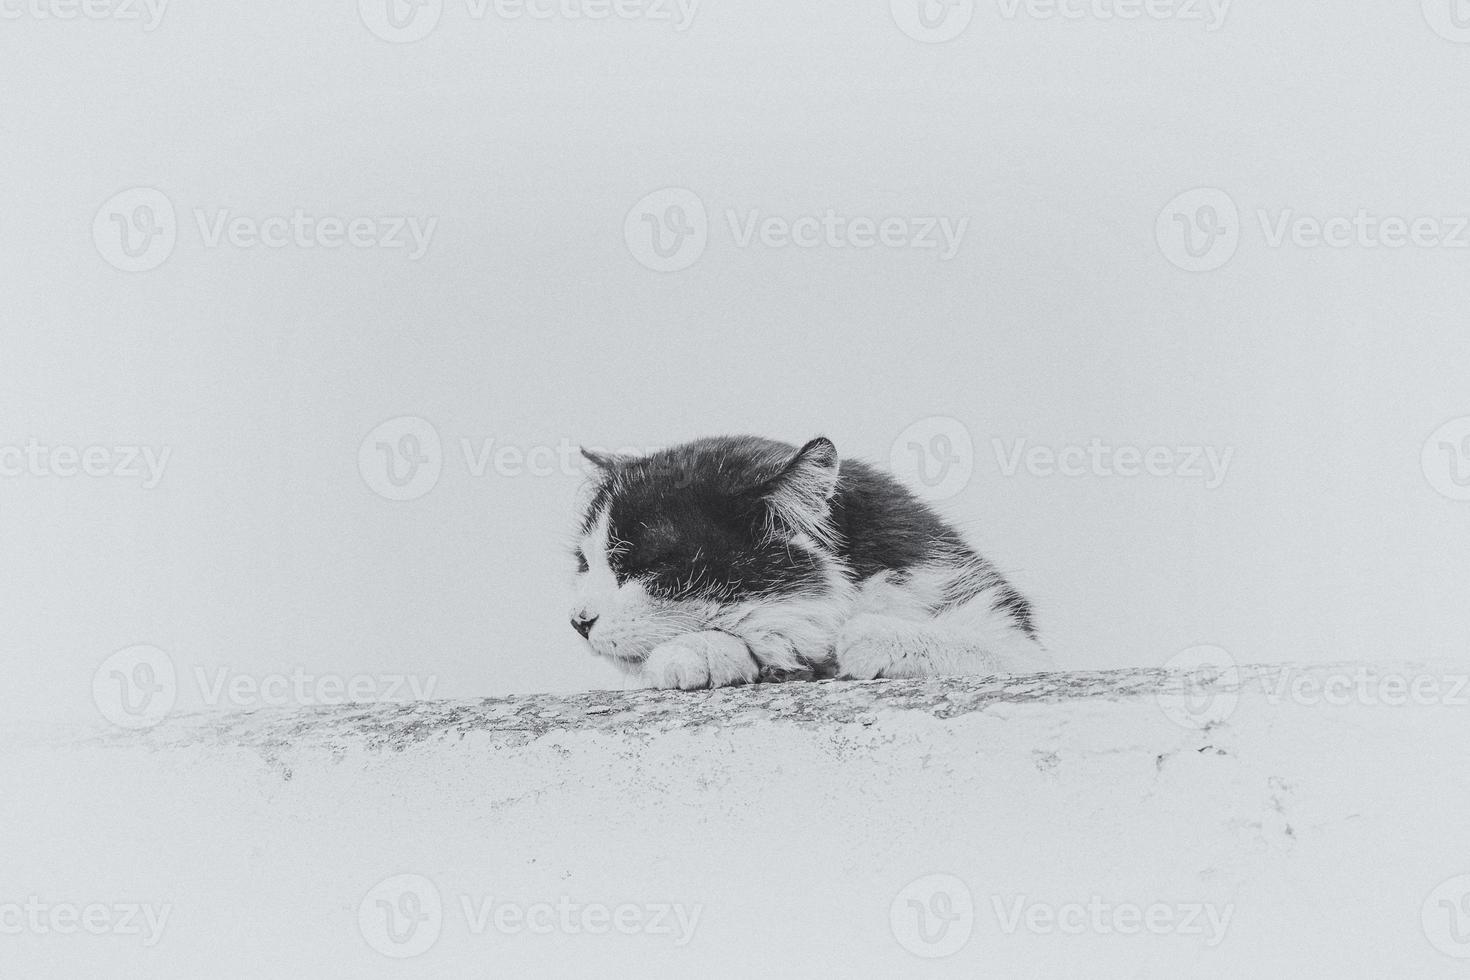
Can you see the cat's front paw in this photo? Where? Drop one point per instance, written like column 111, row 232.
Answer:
column 697, row 660
column 872, row 645
column 863, row 652
column 677, row 664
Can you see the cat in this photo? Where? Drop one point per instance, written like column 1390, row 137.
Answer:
column 737, row 559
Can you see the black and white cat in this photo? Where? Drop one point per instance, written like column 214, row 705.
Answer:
column 736, row 559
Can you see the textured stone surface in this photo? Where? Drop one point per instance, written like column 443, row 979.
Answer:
column 792, row 821
column 645, row 713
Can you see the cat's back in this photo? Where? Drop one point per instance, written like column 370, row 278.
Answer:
column 883, row 526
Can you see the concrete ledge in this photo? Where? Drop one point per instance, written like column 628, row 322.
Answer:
column 625, row 713
column 1119, row 823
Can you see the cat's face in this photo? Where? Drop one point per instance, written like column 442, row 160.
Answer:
column 673, row 542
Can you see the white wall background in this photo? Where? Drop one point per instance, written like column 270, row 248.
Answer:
column 531, row 322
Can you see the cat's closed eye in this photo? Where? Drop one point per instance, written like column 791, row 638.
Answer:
column 652, row 558
column 582, row 565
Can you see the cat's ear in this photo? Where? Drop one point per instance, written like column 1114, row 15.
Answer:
column 608, row 463
column 800, row 495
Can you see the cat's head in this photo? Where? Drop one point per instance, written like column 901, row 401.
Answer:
column 682, row 539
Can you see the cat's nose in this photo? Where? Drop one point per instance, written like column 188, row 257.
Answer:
column 583, row 624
